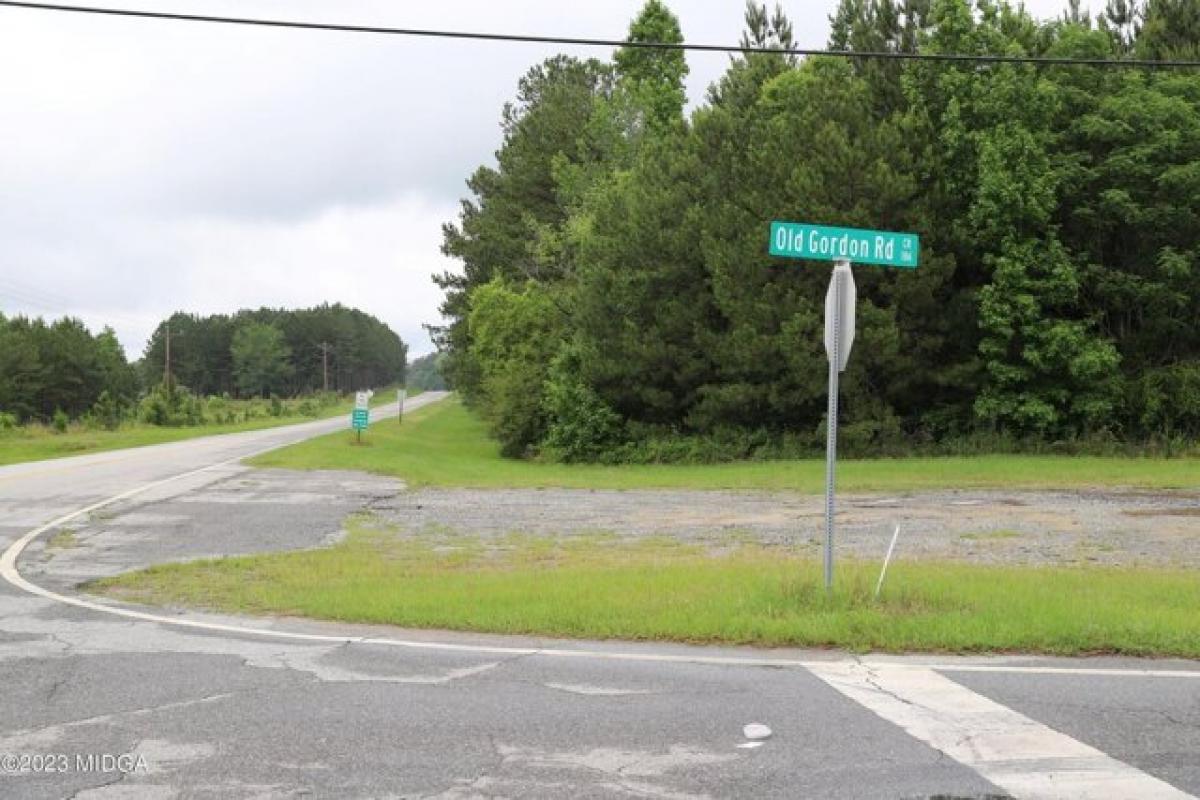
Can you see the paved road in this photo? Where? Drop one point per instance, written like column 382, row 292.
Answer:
column 208, row 706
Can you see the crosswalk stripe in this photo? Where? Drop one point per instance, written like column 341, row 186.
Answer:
column 1021, row 756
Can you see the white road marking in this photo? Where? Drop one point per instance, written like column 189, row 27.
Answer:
column 1016, row 753
column 593, row 691
column 43, row 737
column 441, row 680
column 1102, row 672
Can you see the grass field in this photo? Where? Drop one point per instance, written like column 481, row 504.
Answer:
column 444, row 445
column 34, row 443
column 606, row 587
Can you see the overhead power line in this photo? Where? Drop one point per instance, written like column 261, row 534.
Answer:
column 963, row 58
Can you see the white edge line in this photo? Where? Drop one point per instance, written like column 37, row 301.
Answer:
column 8, row 570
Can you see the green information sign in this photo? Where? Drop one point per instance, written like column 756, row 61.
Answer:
column 359, row 418
column 823, row 243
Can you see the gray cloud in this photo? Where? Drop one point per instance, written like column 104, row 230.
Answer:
column 151, row 166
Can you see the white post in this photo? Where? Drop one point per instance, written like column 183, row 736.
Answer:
column 887, row 560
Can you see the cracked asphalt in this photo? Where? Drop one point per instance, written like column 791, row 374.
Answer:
column 376, row 712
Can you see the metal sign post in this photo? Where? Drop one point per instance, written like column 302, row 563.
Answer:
column 841, row 245
column 401, row 395
column 840, row 302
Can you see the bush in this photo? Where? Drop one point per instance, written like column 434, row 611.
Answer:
column 61, row 420
column 217, row 408
column 514, row 410
column 581, row 426
column 171, row 407
column 1169, row 400
column 8, row 421
column 107, row 412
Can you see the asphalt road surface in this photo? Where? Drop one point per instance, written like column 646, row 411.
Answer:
column 105, row 700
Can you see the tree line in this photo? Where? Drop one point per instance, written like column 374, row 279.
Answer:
column 276, row 351
column 617, row 300
column 59, row 368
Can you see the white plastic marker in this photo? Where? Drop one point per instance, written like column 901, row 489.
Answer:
column 887, row 560
column 756, row 731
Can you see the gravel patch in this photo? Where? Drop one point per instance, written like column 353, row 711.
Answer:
column 255, row 511
column 1086, row 527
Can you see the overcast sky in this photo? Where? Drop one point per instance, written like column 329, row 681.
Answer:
column 150, row 166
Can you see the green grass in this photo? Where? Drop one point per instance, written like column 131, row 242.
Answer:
column 444, row 445
column 37, row 442
column 607, row 587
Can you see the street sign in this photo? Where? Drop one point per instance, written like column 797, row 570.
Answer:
column 362, row 400
column 824, row 243
column 840, row 301
column 359, row 418
column 839, row 336
column 843, row 245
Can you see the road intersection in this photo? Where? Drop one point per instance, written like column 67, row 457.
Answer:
column 204, row 705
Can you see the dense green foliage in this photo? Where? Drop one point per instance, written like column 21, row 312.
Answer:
column 426, row 373
column 260, row 358
column 56, row 372
column 59, row 369
column 617, row 300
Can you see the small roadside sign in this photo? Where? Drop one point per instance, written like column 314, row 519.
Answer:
column 359, row 418
column 401, row 396
column 825, row 243
column 362, row 400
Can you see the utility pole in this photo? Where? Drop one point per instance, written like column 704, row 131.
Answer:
column 324, row 365
column 167, row 365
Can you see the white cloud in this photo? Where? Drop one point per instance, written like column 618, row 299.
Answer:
column 150, row 166
column 376, row 257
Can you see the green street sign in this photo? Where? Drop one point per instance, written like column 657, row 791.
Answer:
column 823, row 243
column 359, row 418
